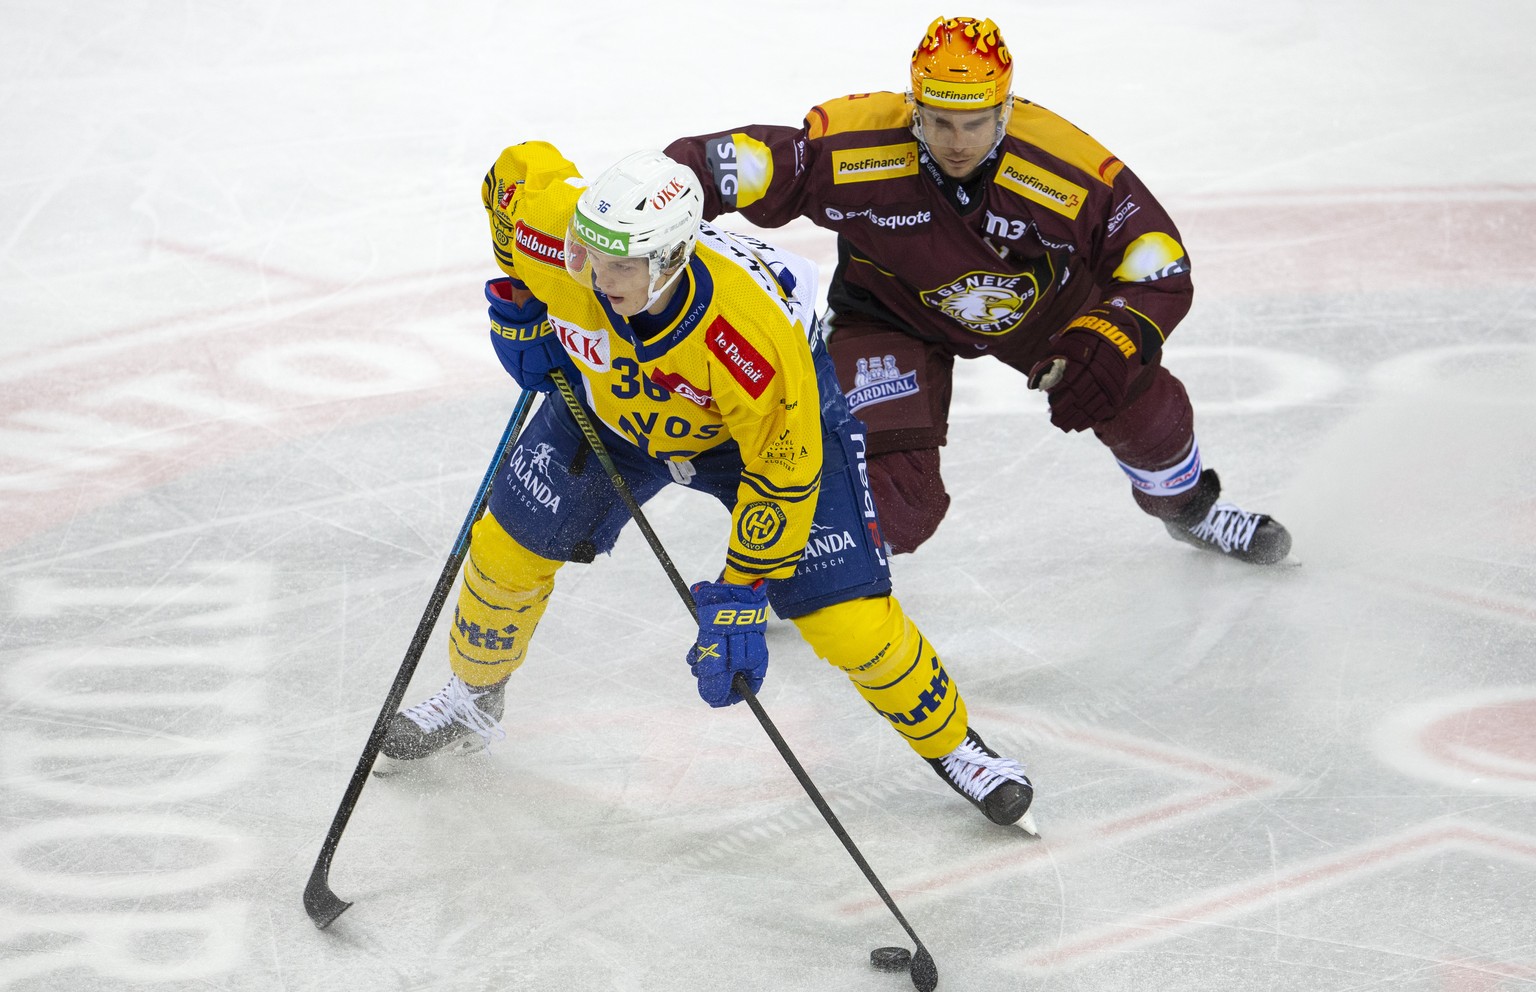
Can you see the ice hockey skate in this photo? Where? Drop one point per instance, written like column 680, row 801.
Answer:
column 1229, row 530
column 995, row 785
column 459, row 719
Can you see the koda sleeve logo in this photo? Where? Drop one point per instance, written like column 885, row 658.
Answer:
column 759, row 525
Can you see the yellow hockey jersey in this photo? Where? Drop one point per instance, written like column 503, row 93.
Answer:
column 734, row 365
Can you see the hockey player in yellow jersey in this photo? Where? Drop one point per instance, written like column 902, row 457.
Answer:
column 698, row 357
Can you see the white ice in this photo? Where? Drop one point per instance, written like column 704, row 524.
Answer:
column 247, row 399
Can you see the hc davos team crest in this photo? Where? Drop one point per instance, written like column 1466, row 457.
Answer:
column 531, row 470
column 877, row 380
column 760, row 525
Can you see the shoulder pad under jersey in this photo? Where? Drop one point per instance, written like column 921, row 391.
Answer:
column 859, row 112
column 1056, row 135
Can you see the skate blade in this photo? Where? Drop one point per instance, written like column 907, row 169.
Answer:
column 386, row 767
column 1027, row 824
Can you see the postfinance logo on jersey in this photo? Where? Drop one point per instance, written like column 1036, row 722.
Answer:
column 1043, row 187
column 859, row 165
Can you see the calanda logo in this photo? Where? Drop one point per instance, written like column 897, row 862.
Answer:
column 531, row 470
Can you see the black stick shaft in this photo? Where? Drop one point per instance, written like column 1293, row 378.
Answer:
column 924, row 972
column 739, row 683
column 323, row 905
column 601, row 450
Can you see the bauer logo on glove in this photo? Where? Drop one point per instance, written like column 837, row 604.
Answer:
column 730, row 616
column 523, row 338
column 732, row 623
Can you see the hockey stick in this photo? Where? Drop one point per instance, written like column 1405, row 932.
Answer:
column 925, row 974
column 323, row 905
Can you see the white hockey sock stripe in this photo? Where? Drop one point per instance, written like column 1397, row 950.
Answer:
column 1169, row 481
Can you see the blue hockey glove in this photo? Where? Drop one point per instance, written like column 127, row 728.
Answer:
column 732, row 622
column 524, row 340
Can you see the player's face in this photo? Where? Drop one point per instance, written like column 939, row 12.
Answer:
column 625, row 281
column 958, row 139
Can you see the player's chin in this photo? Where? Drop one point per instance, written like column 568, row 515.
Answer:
column 959, row 169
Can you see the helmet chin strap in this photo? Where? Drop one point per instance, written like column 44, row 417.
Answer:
column 650, row 301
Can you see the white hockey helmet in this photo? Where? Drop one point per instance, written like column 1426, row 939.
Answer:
column 644, row 206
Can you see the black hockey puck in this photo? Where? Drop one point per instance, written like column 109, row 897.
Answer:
column 891, row 958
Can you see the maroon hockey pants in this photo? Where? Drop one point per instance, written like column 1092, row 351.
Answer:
column 901, row 388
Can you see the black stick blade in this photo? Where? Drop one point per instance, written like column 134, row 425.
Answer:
column 925, row 974
column 322, row 905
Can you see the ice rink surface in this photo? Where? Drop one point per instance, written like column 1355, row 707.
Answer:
column 247, row 398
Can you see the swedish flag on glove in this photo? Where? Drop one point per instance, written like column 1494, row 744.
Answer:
column 732, row 623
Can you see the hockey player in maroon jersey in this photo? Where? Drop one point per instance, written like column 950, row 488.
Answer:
column 971, row 222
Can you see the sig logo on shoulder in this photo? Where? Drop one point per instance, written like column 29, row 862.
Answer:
column 731, row 616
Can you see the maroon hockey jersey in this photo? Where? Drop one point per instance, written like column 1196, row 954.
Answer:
column 1054, row 231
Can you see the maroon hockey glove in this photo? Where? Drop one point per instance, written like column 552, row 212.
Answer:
column 1088, row 384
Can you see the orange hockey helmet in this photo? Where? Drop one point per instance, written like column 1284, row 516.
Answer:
column 962, row 64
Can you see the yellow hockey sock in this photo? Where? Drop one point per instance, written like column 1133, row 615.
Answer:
column 502, row 596
column 893, row 667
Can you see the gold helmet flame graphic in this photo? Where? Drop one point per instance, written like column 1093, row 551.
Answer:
column 962, row 64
